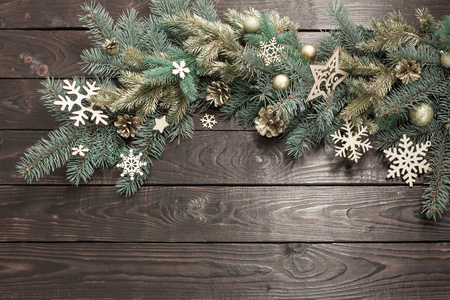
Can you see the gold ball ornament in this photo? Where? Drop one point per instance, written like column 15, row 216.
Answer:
column 281, row 82
column 421, row 115
column 445, row 59
column 251, row 25
column 309, row 51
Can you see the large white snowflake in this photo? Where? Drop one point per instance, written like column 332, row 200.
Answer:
column 80, row 115
column 406, row 160
column 208, row 121
column 352, row 143
column 131, row 164
column 270, row 51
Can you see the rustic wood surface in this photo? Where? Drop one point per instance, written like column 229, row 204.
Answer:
column 226, row 215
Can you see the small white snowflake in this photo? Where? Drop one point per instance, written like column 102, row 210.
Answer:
column 270, row 51
column 351, row 141
column 407, row 162
column 131, row 164
column 180, row 69
column 208, row 121
column 80, row 115
column 80, row 150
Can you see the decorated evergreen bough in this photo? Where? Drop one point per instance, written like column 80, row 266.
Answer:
column 150, row 75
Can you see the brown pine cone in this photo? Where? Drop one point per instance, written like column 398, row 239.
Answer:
column 218, row 92
column 127, row 125
column 111, row 46
column 271, row 121
column 407, row 69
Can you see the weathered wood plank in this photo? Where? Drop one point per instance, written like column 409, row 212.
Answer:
column 218, row 214
column 309, row 15
column 226, row 157
column 33, row 54
column 21, row 108
column 225, row 271
column 38, row 54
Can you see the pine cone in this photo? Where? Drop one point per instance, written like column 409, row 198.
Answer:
column 127, row 125
column 218, row 92
column 111, row 46
column 408, row 69
column 271, row 121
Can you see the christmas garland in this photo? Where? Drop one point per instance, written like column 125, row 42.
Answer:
column 152, row 74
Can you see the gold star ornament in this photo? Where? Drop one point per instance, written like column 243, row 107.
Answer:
column 327, row 77
column 160, row 124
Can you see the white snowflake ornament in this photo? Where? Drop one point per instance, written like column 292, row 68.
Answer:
column 208, row 121
column 406, row 160
column 270, row 51
column 352, row 143
column 80, row 150
column 80, row 115
column 131, row 164
column 179, row 69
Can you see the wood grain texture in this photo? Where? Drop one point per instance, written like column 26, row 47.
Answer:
column 309, row 15
column 38, row 54
column 226, row 157
column 218, row 214
column 229, row 215
column 230, row 271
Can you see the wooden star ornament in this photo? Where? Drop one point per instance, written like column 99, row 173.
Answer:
column 327, row 77
column 160, row 124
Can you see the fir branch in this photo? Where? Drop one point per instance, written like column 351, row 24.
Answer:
column 300, row 140
column 158, row 40
column 130, row 29
column 100, row 63
column 181, row 130
column 391, row 138
column 391, row 33
column 443, row 34
column 295, row 66
column 207, row 40
column 427, row 21
column 82, row 168
column 349, row 34
column 167, row 8
column 404, row 97
column 206, row 10
column 99, row 22
column 356, row 65
column 436, row 195
column 423, row 54
column 48, row 154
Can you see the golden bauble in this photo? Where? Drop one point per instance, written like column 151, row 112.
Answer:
column 445, row 59
column 251, row 25
column 421, row 115
column 309, row 51
column 281, row 82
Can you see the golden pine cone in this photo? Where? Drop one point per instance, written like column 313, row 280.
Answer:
column 111, row 46
column 218, row 92
column 127, row 125
column 407, row 69
column 270, row 121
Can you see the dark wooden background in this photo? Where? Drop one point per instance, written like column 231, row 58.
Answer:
column 223, row 216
